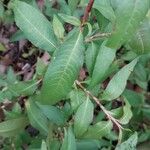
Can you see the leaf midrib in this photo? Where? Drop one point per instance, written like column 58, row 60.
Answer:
column 141, row 40
column 82, row 121
column 105, row 127
column 35, row 28
column 14, row 127
column 39, row 123
column 68, row 62
column 130, row 19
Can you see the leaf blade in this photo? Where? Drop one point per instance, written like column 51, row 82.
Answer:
column 69, row 142
column 98, row 130
column 83, row 117
column 129, row 14
column 11, row 127
column 63, row 70
column 37, row 119
column 117, row 84
column 130, row 144
column 104, row 59
column 35, row 26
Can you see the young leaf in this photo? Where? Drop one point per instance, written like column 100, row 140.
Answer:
column 129, row 14
column 103, row 61
column 37, row 119
column 58, row 27
column 69, row 142
column 54, row 114
column 63, row 70
column 83, row 117
column 12, row 127
column 43, row 146
column 35, row 26
column 130, row 144
column 91, row 54
column 98, row 130
column 118, row 83
column 70, row 19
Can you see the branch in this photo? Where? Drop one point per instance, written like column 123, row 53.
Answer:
column 87, row 11
column 97, row 101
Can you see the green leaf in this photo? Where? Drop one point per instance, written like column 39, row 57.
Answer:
column 23, row 88
column 73, row 4
column 17, row 36
column 76, row 98
column 55, row 145
column 16, row 112
column 98, row 130
column 37, row 119
column 135, row 99
column 129, row 14
column 104, row 59
column 118, row 83
column 69, row 142
column 35, row 26
column 83, row 117
column 91, row 54
column 127, row 113
column 141, row 72
column 130, row 144
column 43, row 146
column 88, row 144
column 11, row 77
column 40, row 67
column 1, row 10
column 115, row 3
column 104, row 7
column 12, row 127
column 54, row 114
column 63, row 70
column 102, row 21
column 58, row 27
column 140, row 42
column 70, row 19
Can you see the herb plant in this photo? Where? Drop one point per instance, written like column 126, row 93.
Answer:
column 89, row 86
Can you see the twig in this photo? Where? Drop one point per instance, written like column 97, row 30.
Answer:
column 97, row 36
column 97, row 101
column 87, row 11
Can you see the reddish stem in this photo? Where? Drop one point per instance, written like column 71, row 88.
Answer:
column 87, row 11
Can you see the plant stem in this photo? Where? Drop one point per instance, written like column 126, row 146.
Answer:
column 97, row 101
column 87, row 11
column 97, row 37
